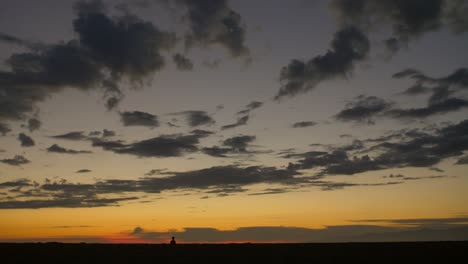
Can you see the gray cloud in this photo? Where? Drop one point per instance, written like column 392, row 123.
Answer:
column 162, row 146
column 108, row 50
column 241, row 121
column 345, row 233
column 214, row 22
column 249, row 107
column 349, row 45
column 58, row 149
column 74, row 135
column 196, row 118
column 415, row 149
column 83, row 171
column 25, row 140
column 462, row 161
column 182, row 63
column 108, row 133
column 408, row 20
column 303, row 124
column 137, row 118
column 440, row 107
column 34, row 124
column 16, row 183
column 233, row 145
column 4, row 129
column 363, row 109
column 17, row 160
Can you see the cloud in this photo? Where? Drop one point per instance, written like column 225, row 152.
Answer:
column 233, row 145
column 241, row 121
column 182, row 63
column 408, row 20
column 303, row 124
column 25, row 140
column 462, row 161
column 196, row 118
column 440, row 107
column 17, row 41
column 34, row 124
column 413, row 149
column 214, row 22
column 162, row 146
column 4, row 129
column 239, row 143
column 349, row 45
column 18, row 160
column 201, row 132
column 249, row 107
column 442, row 90
column 137, row 118
column 108, row 133
column 74, row 135
column 58, row 149
column 285, row 234
column 83, row 171
column 75, row 202
column 363, row 109
column 422, row 222
column 16, row 183
column 107, row 51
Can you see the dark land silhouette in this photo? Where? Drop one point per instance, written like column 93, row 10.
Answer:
column 405, row 252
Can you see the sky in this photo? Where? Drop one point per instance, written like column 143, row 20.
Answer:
column 233, row 121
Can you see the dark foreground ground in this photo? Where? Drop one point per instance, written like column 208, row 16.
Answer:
column 424, row 252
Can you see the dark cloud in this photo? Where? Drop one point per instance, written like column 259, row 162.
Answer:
column 18, row 160
column 162, row 146
column 348, row 46
column 415, row 149
column 216, row 151
column 58, row 149
column 214, row 22
column 363, row 109
column 441, row 100
column 74, row 135
column 34, row 124
column 137, row 118
column 196, row 118
column 241, row 121
column 422, row 222
column 108, row 133
column 17, row 41
column 462, row 161
column 416, row 89
column 73, row 202
column 441, row 107
column 233, row 145
column 304, row 124
column 108, row 50
column 239, row 143
column 16, row 183
column 126, row 45
column 25, row 140
column 4, row 129
column 345, row 233
column 182, row 63
column 408, row 20
column 201, row 132
column 249, row 107
column 83, row 171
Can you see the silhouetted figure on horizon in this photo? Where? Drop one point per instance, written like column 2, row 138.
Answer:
column 173, row 241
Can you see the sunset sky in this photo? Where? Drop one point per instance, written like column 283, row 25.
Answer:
column 233, row 121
